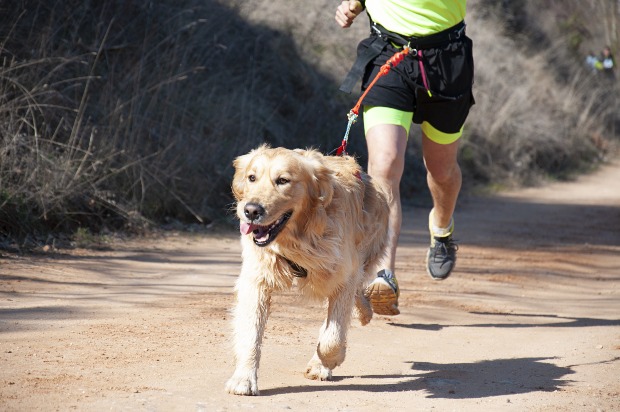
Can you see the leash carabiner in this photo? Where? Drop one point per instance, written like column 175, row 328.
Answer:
column 342, row 150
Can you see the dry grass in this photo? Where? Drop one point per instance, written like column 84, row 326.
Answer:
column 539, row 112
column 114, row 115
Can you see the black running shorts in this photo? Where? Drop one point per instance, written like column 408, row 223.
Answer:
column 443, row 100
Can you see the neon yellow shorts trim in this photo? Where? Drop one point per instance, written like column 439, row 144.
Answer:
column 374, row 115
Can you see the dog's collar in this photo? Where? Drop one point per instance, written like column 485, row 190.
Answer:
column 298, row 271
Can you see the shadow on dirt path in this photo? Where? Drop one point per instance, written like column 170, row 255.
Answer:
column 459, row 381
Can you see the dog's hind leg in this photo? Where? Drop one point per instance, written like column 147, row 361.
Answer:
column 331, row 349
column 363, row 310
column 250, row 317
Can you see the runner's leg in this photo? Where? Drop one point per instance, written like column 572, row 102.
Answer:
column 386, row 161
column 443, row 177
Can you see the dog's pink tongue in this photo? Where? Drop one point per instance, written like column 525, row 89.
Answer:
column 245, row 228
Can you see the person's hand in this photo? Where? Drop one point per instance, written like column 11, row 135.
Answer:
column 347, row 12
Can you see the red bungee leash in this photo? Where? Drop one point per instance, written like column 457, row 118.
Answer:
column 354, row 113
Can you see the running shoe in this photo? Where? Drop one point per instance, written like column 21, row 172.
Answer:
column 441, row 257
column 383, row 294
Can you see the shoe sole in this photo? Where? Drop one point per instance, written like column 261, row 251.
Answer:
column 383, row 299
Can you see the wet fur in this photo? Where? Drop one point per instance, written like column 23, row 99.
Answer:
column 337, row 232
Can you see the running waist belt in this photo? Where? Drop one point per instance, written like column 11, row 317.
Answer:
column 383, row 36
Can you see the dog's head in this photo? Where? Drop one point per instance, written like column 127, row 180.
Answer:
column 280, row 192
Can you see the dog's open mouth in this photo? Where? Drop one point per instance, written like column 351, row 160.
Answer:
column 263, row 235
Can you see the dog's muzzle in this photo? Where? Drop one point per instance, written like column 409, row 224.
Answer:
column 263, row 234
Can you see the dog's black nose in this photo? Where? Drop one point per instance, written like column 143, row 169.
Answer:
column 253, row 211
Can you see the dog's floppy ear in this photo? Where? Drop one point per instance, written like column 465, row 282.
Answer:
column 238, row 182
column 241, row 164
column 324, row 179
column 321, row 176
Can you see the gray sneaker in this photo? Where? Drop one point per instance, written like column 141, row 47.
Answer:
column 441, row 257
column 383, row 293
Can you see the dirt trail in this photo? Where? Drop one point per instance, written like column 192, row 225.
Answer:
column 530, row 321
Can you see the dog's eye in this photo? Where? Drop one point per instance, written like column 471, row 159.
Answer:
column 282, row 181
column 252, row 178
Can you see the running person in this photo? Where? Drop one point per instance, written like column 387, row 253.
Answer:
column 432, row 87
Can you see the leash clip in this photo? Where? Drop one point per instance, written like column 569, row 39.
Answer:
column 342, row 150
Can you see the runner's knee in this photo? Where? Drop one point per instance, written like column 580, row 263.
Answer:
column 442, row 172
column 386, row 167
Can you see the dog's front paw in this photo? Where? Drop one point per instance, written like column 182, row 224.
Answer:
column 242, row 384
column 316, row 371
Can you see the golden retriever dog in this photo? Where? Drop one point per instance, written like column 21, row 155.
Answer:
column 311, row 221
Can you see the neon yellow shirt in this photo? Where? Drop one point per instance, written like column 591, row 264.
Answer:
column 416, row 17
